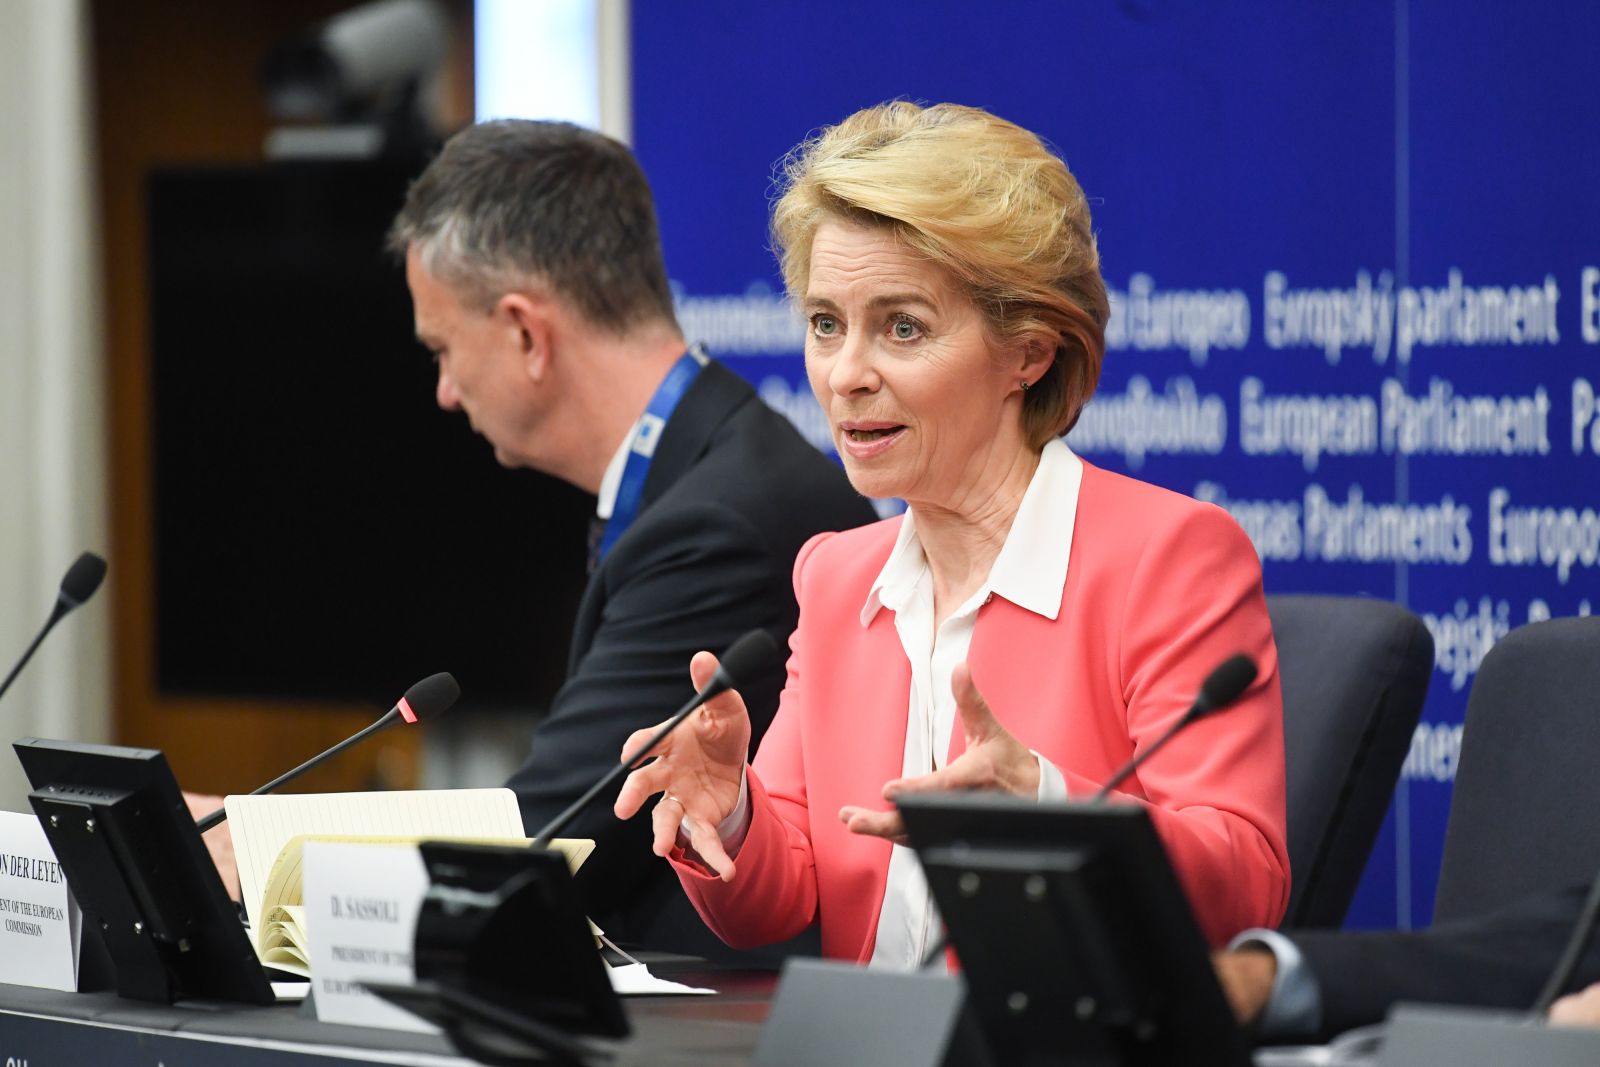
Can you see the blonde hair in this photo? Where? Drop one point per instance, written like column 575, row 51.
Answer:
column 981, row 197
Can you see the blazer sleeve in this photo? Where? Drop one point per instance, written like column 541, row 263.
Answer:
column 1498, row 960
column 1216, row 793
column 773, row 895
column 701, row 579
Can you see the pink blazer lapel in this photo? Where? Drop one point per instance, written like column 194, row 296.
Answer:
column 873, row 680
column 1016, row 660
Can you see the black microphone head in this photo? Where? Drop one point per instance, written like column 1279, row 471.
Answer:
column 1225, row 684
column 82, row 579
column 747, row 658
column 432, row 696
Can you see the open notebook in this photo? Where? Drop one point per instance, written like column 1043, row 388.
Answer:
column 269, row 833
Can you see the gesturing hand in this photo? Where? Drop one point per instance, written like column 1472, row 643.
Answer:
column 993, row 760
column 698, row 767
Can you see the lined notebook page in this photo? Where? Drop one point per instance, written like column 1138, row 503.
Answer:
column 262, row 825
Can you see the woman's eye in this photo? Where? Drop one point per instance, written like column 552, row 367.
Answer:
column 904, row 330
column 824, row 325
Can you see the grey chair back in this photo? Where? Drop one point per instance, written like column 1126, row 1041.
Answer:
column 1525, row 814
column 1355, row 672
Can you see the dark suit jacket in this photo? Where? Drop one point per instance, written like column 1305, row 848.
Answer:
column 1501, row 960
column 732, row 494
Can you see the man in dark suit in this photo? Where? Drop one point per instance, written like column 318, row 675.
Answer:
column 1315, row 984
column 537, row 280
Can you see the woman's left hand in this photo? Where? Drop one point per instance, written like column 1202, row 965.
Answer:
column 993, row 760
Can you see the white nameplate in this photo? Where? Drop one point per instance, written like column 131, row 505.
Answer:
column 361, row 906
column 39, row 920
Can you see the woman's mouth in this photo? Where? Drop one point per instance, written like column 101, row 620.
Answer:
column 863, row 440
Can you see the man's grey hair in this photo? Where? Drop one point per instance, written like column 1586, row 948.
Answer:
column 516, row 204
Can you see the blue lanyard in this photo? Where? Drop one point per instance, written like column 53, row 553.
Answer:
column 643, row 449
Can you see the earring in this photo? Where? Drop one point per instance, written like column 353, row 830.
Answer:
column 1025, row 384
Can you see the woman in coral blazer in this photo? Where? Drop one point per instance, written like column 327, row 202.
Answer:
column 1029, row 625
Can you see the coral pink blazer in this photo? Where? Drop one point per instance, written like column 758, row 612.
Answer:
column 1160, row 589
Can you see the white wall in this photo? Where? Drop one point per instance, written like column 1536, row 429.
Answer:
column 53, row 493
column 556, row 59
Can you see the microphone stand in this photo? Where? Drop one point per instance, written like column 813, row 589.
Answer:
column 38, row 640
column 220, row 814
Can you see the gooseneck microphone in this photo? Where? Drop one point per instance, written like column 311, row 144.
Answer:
column 745, row 659
column 79, row 584
column 1221, row 688
column 429, row 698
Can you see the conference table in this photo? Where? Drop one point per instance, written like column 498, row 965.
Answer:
column 44, row 1028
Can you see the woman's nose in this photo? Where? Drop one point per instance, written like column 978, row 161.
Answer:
column 853, row 371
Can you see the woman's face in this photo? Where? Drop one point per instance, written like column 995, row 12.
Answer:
column 921, row 403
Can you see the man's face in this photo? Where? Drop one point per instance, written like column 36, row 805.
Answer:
column 482, row 371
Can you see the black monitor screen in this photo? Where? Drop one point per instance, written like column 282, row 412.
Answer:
column 1076, row 940
column 138, row 869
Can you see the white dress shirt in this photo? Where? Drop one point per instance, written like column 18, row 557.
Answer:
column 1031, row 572
column 610, row 482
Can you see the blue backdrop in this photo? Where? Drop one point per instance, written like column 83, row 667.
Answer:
column 1353, row 251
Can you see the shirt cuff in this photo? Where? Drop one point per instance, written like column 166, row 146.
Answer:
column 736, row 826
column 1295, row 1007
column 1052, row 783
column 731, row 830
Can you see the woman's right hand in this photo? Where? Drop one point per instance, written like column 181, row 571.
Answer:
column 699, row 767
